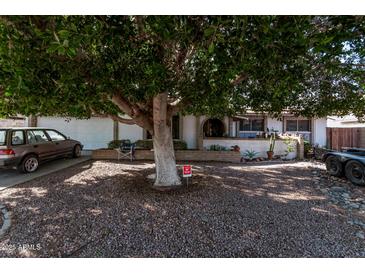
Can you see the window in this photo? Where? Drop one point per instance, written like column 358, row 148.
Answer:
column 55, row 136
column 252, row 124
column 17, row 138
column 298, row 125
column 36, row 136
column 303, row 125
column 245, row 125
column 291, row 125
column 2, row 137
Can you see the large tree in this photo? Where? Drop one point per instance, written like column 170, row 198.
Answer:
column 151, row 67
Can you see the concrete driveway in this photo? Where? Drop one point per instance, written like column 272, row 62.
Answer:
column 11, row 177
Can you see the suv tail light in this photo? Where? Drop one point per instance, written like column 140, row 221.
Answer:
column 7, row 152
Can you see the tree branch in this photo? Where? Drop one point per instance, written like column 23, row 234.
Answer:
column 122, row 120
column 123, row 104
column 140, row 26
column 114, row 117
column 176, row 108
column 139, row 117
column 239, row 79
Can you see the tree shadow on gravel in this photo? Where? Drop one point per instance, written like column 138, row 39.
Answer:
column 108, row 209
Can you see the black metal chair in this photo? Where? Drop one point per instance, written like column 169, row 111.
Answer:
column 126, row 150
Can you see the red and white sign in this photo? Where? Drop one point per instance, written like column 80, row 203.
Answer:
column 187, row 171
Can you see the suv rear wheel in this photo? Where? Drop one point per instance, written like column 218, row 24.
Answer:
column 29, row 164
column 355, row 172
column 334, row 166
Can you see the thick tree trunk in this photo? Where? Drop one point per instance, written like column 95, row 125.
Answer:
column 166, row 172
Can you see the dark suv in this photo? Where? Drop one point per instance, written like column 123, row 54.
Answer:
column 25, row 148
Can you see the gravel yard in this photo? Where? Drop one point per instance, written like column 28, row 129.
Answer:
column 108, row 209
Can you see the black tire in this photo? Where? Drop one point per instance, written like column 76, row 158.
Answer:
column 76, row 153
column 29, row 164
column 355, row 172
column 334, row 166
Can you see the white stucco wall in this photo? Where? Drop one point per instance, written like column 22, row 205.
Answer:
column 96, row 133
column 131, row 132
column 260, row 146
column 189, row 131
column 13, row 122
column 93, row 133
column 319, row 132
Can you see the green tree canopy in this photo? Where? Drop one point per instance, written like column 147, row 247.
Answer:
column 150, row 67
column 73, row 65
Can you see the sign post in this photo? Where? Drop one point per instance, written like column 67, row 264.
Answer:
column 187, row 172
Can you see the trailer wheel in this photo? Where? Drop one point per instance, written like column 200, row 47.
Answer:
column 334, row 166
column 355, row 172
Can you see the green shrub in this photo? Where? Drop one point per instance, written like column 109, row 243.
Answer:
column 308, row 148
column 217, row 148
column 180, row 145
column 116, row 143
column 148, row 144
column 144, row 144
column 289, row 145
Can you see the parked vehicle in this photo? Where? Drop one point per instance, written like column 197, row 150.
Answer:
column 26, row 148
column 350, row 162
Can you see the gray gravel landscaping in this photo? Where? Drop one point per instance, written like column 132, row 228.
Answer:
column 345, row 195
column 108, row 209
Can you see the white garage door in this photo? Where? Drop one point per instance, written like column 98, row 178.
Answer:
column 93, row 133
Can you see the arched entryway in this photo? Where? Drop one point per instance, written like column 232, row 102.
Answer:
column 213, row 128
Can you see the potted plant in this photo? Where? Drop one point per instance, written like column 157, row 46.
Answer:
column 270, row 152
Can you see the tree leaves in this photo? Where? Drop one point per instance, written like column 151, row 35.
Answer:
column 70, row 65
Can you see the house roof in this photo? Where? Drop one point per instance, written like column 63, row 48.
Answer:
column 344, row 121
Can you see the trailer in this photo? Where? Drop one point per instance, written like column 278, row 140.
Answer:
column 349, row 162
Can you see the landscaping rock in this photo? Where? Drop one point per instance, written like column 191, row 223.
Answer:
column 360, row 235
column 337, row 189
column 108, row 209
column 5, row 221
column 346, row 195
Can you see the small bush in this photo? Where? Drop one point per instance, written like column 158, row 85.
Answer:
column 116, row 143
column 148, row 144
column 217, row 148
column 180, row 145
column 144, row 144
column 289, row 145
column 308, row 148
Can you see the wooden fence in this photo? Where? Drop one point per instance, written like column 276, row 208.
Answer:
column 345, row 137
